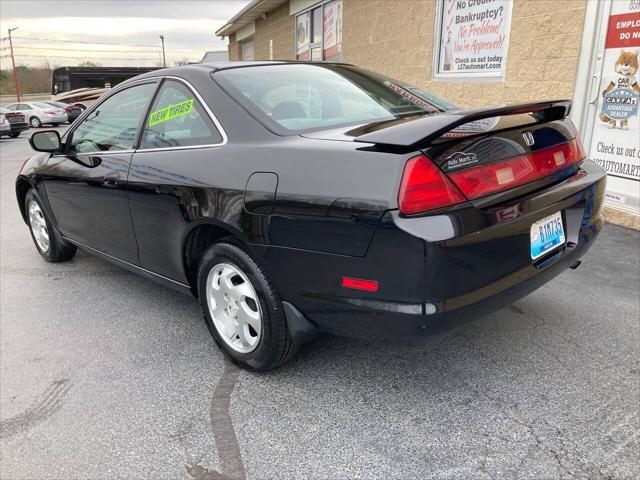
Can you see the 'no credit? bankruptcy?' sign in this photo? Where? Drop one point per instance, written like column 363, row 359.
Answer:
column 473, row 36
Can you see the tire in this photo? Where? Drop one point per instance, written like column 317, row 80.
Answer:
column 55, row 249
column 35, row 122
column 14, row 135
column 55, row 124
column 228, row 263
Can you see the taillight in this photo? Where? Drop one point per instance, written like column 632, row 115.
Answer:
column 49, row 112
column 424, row 187
column 498, row 176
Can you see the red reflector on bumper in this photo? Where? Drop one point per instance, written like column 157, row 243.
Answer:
column 358, row 284
column 495, row 177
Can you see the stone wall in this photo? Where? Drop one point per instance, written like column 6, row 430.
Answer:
column 280, row 28
column 396, row 38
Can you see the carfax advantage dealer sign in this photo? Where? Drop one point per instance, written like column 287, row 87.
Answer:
column 472, row 37
column 615, row 144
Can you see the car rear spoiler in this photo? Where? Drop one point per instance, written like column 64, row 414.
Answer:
column 425, row 129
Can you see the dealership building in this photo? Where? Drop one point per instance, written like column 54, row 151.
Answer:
column 477, row 53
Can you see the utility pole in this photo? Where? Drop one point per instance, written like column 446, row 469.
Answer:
column 13, row 62
column 164, row 60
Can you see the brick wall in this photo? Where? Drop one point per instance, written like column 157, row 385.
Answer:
column 234, row 48
column 396, row 38
column 279, row 27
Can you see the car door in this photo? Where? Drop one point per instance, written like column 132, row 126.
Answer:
column 86, row 183
column 166, row 184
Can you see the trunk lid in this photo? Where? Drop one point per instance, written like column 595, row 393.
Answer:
column 490, row 154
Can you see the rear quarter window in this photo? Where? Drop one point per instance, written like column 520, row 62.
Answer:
column 178, row 119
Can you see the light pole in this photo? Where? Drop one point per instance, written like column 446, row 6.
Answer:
column 13, row 62
column 164, row 60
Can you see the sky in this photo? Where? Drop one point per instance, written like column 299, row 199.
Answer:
column 112, row 32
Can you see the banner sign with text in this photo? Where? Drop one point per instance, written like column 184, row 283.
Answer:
column 615, row 143
column 472, row 38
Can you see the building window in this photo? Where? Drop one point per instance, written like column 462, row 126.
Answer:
column 246, row 49
column 319, row 32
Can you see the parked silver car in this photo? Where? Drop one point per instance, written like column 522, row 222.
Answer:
column 5, row 128
column 39, row 113
column 12, row 123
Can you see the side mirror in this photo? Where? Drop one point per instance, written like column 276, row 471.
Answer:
column 45, row 141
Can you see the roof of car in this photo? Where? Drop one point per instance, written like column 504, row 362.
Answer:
column 217, row 66
column 253, row 63
column 241, row 63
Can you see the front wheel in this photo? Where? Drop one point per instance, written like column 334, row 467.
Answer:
column 243, row 309
column 49, row 243
column 35, row 122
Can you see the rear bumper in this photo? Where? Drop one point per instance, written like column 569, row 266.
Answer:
column 412, row 322
column 17, row 127
column 436, row 274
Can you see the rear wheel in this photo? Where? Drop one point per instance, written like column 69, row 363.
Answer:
column 35, row 122
column 48, row 241
column 14, row 135
column 55, row 124
column 243, row 309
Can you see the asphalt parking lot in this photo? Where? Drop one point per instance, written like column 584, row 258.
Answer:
column 107, row 375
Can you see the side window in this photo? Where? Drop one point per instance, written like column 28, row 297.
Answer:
column 177, row 119
column 112, row 126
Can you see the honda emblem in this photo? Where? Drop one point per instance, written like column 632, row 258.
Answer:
column 528, row 138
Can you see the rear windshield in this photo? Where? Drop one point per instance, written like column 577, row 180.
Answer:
column 303, row 97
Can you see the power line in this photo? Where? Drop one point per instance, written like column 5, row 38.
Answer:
column 83, row 50
column 85, row 42
column 85, row 57
column 55, row 40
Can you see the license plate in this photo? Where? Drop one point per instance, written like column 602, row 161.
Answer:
column 546, row 234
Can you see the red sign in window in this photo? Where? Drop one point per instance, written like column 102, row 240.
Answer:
column 624, row 30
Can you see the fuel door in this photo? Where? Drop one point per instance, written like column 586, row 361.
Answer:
column 260, row 193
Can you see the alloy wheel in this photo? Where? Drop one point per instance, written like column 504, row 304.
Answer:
column 234, row 307
column 35, row 122
column 38, row 226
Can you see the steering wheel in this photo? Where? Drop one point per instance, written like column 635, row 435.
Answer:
column 96, row 146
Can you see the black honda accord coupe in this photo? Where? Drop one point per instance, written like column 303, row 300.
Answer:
column 297, row 198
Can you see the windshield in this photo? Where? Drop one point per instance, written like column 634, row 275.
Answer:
column 302, row 97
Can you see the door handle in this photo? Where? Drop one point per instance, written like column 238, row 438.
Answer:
column 595, row 81
column 111, row 179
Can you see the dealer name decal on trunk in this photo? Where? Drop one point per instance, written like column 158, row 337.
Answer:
column 460, row 160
